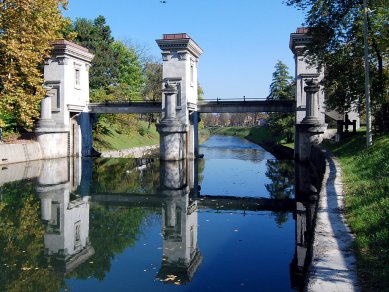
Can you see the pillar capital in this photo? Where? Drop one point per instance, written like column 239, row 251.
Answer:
column 312, row 86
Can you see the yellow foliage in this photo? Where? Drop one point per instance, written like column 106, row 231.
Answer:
column 27, row 28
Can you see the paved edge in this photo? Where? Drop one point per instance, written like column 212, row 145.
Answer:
column 333, row 265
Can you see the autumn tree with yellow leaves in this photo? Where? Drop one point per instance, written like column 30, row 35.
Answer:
column 27, row 27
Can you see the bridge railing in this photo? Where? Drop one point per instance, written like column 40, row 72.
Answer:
column 234, row 99
column 124, row 102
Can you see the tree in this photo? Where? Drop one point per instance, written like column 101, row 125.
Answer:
column 152, row 89
column 336, row 28
column 280, row 85
column 281, row 88
column 96, row 36
column 130, row 75
column 27, row 27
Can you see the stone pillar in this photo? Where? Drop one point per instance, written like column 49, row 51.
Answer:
column 171, row 130
column 196, row 134
column 46, row 120
column 310, row 129
column 180, row 56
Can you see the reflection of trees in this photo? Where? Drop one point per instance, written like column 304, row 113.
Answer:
column 124, row 175
column 281, row 174
column 23, row 266
column 200, row 169
column 111, row 231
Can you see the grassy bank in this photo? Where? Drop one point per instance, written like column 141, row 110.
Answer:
column 366, row 186
column 113, row 138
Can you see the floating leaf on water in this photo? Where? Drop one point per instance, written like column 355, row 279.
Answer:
column 236, row 230
column 91, row 262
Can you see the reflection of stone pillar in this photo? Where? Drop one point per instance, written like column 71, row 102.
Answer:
column 171, row 130
column 310, row 130
column 66, row 214
column 46, row 207
column 172, row 176
column 179, row 220
column 306, row 196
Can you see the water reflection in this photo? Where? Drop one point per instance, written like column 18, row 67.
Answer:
column 65, row 214
column 306, row 202
column 181, row 256
column 91, row 212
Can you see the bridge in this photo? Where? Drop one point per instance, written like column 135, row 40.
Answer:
column 65, row 126
column 203, row 106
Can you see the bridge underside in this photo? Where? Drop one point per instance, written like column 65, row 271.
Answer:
column 246, row 106
column 224, row 106
column 204, row 202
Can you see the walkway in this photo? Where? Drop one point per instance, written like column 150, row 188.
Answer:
column 333, row 266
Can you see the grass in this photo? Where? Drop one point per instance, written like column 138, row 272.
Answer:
column 366, row 185
column 114, row 139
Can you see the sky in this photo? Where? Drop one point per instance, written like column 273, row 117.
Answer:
column 241, row 39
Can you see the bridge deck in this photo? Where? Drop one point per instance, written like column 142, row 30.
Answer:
column 215, row 106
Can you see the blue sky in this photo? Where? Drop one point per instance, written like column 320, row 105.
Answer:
column 242, row 39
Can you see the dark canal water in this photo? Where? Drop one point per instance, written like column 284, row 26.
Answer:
column 229, row 222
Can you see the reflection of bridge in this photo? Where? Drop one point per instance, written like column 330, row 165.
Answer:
column 214, row 106
column 206, row 202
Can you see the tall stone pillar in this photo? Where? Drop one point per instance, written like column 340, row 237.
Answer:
column 171, row 130
column 310, row 129
column 180, row 57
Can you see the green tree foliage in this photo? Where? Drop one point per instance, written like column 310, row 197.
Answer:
column 281, row 88
column 23, row 266
column 336, row 28
column 130, row 76
column 281, row 175
column 280, row 85
column 27, row 27
column 116, row 73
column 96, row 36
column 152, row 71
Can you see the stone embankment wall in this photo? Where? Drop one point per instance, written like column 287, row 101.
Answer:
column 13, row 153
column 23, row 152
column 136, row 152
column 333, row 264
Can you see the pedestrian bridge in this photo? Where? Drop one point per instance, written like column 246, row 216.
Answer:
column 206, row 106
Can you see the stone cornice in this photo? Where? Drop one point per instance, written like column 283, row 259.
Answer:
column 180, row 45
column 298, row 41
column 63, row 49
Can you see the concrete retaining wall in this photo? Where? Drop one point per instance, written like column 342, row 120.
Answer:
column 13, row 153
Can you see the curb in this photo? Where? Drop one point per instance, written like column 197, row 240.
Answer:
column 333, row 265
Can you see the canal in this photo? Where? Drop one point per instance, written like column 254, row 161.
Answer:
column 228, row 222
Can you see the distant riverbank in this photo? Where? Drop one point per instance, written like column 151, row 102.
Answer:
column 258, row 135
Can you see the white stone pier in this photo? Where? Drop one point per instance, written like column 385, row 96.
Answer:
column 179, row 98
